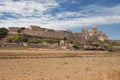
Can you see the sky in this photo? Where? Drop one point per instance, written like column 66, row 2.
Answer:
column 63, row 14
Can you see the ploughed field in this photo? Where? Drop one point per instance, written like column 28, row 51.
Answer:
column 68, row 65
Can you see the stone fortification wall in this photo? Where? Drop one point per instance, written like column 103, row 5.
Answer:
column 44, row 32
column 51, row 33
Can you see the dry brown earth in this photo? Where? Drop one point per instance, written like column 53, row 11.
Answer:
column 84, row 68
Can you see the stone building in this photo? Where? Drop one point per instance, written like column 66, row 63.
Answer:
column 34, row 28
column 13, row 30
column 44, row 32
column 93, row 29
column 93, row 33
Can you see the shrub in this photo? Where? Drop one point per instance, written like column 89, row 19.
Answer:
column 109, row 48
column 75, row 46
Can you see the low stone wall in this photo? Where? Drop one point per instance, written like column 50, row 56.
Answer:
column 10, row 45
column 43, row 46
column 48, row 46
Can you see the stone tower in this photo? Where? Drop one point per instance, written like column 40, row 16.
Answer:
column 93, row 29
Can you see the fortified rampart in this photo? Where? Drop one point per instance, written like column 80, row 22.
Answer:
column 60, row 34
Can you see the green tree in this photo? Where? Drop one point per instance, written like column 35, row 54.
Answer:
column 3, row 32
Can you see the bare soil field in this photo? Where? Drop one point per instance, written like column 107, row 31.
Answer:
column 70, row 68
column 36, row 50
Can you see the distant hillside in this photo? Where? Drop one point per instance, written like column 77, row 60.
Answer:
column 115, row 41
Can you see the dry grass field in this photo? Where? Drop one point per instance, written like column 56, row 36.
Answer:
column 76, row 68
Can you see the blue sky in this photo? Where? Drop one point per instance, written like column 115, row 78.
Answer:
column 63, row 14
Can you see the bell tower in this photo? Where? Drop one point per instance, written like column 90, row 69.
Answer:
column 93, row 29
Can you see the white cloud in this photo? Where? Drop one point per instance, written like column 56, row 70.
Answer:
column 94, row 10
column 32, row 14
column 48, row 22
column 26, row 7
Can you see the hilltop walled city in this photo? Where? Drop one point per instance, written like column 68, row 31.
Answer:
column 39, row 37
column 60, row 34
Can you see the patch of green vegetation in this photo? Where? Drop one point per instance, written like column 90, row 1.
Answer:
column 115, row 43
column 30, row 39
column 75, row 46
column 17, row 38
column 109, row 48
